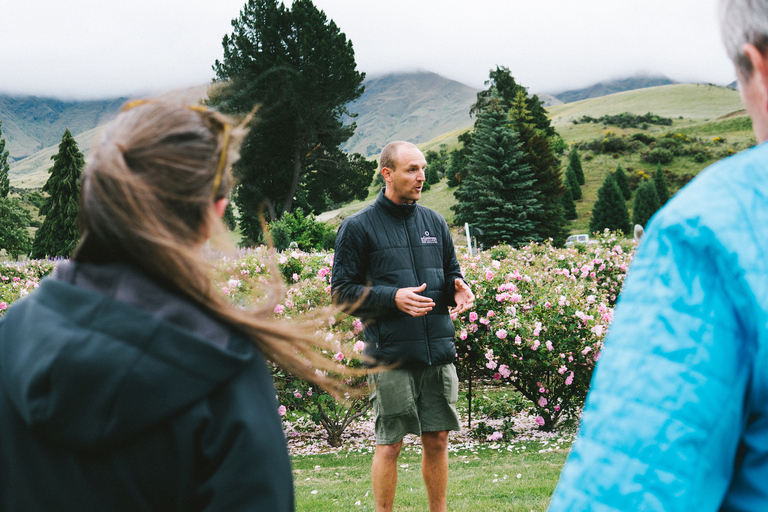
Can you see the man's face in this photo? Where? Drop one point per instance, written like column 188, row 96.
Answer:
column 405, row 181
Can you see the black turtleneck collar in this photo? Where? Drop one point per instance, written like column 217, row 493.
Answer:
column 398, row 210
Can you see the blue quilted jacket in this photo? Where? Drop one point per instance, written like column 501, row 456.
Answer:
column 677, row 416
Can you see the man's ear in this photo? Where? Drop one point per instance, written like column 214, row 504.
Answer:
column 386, row 173
column 759, row 68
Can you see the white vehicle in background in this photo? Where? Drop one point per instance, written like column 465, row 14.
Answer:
column 577, row 239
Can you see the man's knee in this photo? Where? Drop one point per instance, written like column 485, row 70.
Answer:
column 435, row 441
column 389, row 452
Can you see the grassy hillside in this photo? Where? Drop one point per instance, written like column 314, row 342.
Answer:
column 701, row 114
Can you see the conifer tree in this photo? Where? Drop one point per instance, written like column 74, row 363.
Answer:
column 573, row 183
column 550, row 221
column 58, row 234
column 298, row 65
column 661, row 186
column 569, row 207
column 5, row 184
column 498, row 195
column 459, row 160
column 574, row 162
column 622, row 182
column 610, row 209
column 646, row 203
column 14, row 237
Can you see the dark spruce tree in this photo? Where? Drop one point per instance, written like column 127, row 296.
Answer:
column 5, row 183
column 550, row 220
column 569, row 207
column 301, row 69
column 459, row 160
column 622, row 182
column 574, row 162
column 660, row 181
column 573, row 183
column 58, row 235
column 610, row 209
column 502, row 86
column 14, row 237
column 498, row 193
column 646, row 203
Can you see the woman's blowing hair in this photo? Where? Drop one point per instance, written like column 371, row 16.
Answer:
column 148, row 199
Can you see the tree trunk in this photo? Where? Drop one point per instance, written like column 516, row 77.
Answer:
column 288, row 203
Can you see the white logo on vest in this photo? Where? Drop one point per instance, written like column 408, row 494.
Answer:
column 426, row 239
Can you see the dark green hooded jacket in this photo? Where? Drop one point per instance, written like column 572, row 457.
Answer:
column 115, row 394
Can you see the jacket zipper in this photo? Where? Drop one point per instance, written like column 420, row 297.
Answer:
column 416, row 275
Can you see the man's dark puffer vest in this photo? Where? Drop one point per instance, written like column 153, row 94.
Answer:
column 383, row 248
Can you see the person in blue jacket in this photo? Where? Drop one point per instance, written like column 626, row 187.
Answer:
column 677, row 415
column 127, row 381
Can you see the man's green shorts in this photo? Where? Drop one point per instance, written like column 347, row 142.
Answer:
column 414, row 400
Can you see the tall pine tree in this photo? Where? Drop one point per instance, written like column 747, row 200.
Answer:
column 550, row 220
column 569, row 207
column 14, row 237
column 58, row 234
column 574, row 162
column 622, row 182
column 5, row 184
column 573, row 183
column 300, row 67
column 498, row 193
column 646, row 203
column 661, row 186
column 610, row 209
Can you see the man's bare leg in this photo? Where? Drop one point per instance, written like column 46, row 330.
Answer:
column 384, row 475
column 434, row 468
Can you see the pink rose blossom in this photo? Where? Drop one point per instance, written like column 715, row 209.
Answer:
column 539, row 420
column 473, row 316
column 549, row 346
column 297, row 394
column 489, row 275
column 357, row 325
column 282, row 410
column 505, row 371
column 548, row 305
column 586, row 350
column 535, row 345
column 495, row 436
column 225, row 290
column 359, row 346
column 496, row 376
column 501, row 334
column 562, row 370
column 339, row 356
column 557, row 408
column 463, row 334
column 485, row 321
column 3, row 305
column 569, row 380
column 295, row 277
column 515, row 297
column 490, row 314
column 491, row 365
column 279, row 309
column 542, row 402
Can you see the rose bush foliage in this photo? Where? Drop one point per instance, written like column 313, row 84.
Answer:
column 538, row 322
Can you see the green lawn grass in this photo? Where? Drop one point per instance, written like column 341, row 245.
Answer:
column 482, row 479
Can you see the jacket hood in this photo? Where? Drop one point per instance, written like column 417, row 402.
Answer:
column 85, row 370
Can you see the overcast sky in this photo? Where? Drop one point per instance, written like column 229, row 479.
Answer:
column 99, row 48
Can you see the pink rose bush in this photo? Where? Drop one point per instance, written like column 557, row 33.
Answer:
column 539, row 323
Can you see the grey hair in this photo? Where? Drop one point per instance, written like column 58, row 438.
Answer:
column 743, row 21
